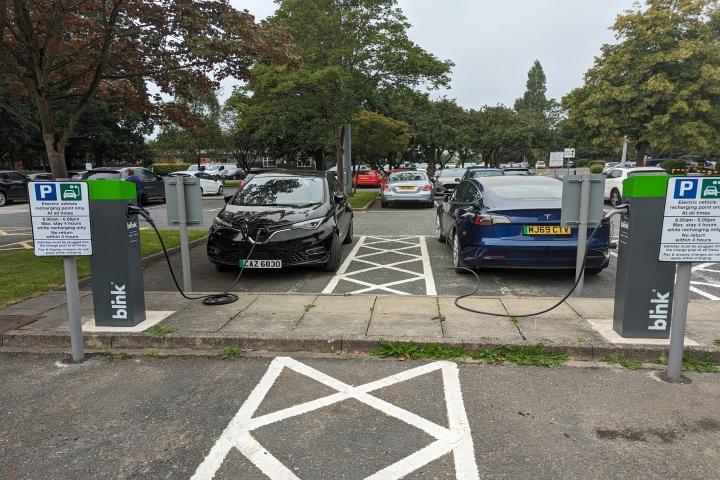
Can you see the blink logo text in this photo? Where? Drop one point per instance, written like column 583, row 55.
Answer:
column 119, row 301
column 659, row 308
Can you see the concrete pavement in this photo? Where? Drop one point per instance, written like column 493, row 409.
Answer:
column 356, row 323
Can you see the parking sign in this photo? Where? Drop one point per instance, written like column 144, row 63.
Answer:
column 60, row 215
column 691, row 225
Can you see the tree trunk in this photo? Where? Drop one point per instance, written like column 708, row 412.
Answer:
column 54, row 147
column 319, row 157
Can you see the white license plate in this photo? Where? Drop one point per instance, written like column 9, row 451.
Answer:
column 260, row 263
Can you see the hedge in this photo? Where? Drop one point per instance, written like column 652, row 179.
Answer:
column 596, row 168
column 163, row 169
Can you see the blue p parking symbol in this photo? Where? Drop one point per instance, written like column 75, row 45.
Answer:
column 45, row 192
column 686, row 188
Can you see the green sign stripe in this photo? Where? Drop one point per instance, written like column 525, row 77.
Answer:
column 111, row 190
column 645, row 186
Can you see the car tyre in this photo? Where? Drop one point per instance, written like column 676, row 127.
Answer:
column 202, row 192
column 458, row 263
column 430, row 204
column 334, row 256
column 3, row 199
column 220, row 190
column 615, row 197
column 384, row 204
column 438, row 230
column 349, row 235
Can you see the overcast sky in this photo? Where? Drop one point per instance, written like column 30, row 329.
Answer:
column 494, row 42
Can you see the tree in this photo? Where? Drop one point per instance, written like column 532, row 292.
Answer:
column 63, row 53
column 500, row 134
column 539, row 114
column 659, row 85
column 534, row 99
column 376, row 137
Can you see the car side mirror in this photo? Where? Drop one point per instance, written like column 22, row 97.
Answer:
column 339, row 197
column 445, row 198
column 227, row 198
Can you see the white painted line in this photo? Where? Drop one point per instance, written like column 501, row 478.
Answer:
column 614, row 254
column 457, row 438
column 704, row 294
column 604, row 328
column 427, row 270
column 343, row 268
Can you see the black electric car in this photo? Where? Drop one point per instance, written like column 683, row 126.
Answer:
column 292, row 218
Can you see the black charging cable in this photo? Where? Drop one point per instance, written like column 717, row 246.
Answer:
column 505, row 315
column 214, row 299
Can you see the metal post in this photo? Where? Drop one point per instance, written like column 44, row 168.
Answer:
column 582, row 233
column 182, row 225
column 678, row 318
column 347, row 159
column 72, row 290
column 624, row 154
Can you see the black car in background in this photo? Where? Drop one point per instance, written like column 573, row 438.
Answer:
column 294, row 218
column 153, row 185
column 447, row 179
column 13, row 186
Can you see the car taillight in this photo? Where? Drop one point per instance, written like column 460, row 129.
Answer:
column 427, row 188
column 605, row 221
column 487, row 220
column 386, row 188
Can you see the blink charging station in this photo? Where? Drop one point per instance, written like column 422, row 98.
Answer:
column 116, row 263
column 643, row 285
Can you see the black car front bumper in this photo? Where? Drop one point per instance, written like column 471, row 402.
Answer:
column 227, row 246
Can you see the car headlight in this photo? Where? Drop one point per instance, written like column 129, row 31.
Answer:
column 307, row 224
column 220, row 223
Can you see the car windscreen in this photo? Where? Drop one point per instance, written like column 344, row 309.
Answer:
column 102, row 175
column 517, row 172
column 281, row 191
column 407, row 177
column 485, row 173
column 452, row 172
column 524, row 191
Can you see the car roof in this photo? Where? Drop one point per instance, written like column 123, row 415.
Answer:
column 638, row 169
column 292, row 173
column 487, row 183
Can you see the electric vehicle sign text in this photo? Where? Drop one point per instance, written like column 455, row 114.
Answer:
column 60, row 215
column 260, row 263
column 691, row 225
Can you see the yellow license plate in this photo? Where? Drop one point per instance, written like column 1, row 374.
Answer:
column 406, row 188
column 545, row 230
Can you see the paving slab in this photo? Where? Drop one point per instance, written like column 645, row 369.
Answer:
column 39, row 304
column 592, row 307
column 56, row 319
column 523, row 306
column 271, row 314
column 197, row 317
column 550, row 330
column 405, row 316
column 459, row 323
column 337, row 315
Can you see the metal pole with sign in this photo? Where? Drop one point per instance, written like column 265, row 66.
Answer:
column 567, row 154
column 690, row 233
column 60, row 216
column 183, row 199
column 556, row 160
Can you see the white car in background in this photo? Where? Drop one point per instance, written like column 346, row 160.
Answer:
column 614, row 181
column 209, row 184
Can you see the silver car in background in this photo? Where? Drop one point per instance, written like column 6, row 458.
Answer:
column 413, row 187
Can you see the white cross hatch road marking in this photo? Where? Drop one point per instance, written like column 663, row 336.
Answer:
column 374, row 244
column 456, row 439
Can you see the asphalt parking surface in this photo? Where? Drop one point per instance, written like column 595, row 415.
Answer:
column 185, row 417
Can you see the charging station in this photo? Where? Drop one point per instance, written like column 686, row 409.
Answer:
column 116, row 263
column 643, row 285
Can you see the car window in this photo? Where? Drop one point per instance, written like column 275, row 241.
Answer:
column 281, row 191
column 16, row 176
column 144, row 174
column 469, row 193
column 517, row 172
column 647, row 172
column 452, row 172
column 333, row 184
column 407, row 177
column 103, row 175
column 4, row 176
column 485, row 173
column 523, row 190
column 459, row 193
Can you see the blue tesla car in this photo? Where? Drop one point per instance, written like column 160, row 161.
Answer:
column 514, row 222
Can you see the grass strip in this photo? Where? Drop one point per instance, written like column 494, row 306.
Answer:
column 695, row 363
column 362, row 199
column 413, row 351
column 24, row 275
column 536, row 355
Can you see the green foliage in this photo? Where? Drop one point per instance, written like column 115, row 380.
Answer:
column 623, row 360
column 658, row 85
column 536, row 355
column 534, row 99
column 692, row 363
column 229, row 353
column 362, row 198
column 375, row 137
column 595, row 162
column 596, row 168
column 160, row 332
column 717, row 342
column 164, row 169
column 411, row 351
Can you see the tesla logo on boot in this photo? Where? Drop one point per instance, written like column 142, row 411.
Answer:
column 119, row 301
column 659, row 310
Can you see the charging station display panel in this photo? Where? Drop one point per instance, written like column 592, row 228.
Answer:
column 691, row 225
column 60, row 215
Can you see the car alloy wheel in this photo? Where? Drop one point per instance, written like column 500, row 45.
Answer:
column 614, row 198
column 3, row 199
column 220, row 190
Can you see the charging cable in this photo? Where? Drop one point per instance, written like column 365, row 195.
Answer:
column 620, row 209
column 223, row 298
